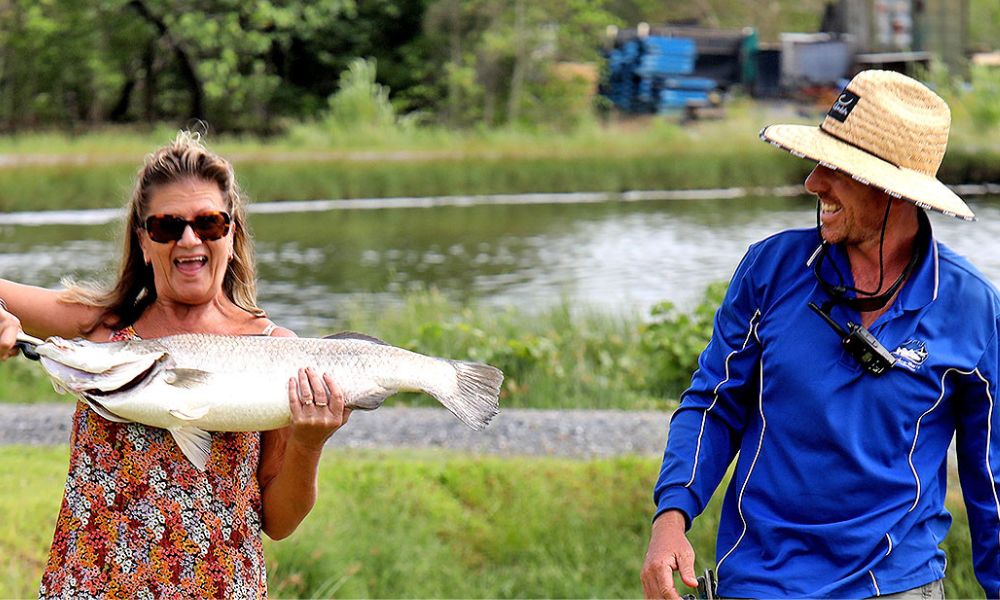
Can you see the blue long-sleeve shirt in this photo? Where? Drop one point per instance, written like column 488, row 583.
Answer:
column 840, row 483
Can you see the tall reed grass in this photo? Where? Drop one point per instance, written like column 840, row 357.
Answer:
column 315, row 160
column 70, row 186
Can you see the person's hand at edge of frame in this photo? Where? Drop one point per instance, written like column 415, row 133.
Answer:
column 669, row 551
column 10, row 326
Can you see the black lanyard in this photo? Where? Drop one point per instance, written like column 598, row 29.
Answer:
column 864, row 301
column 856, row 339
column 838, row 293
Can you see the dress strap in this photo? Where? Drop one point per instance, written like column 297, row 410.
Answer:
column 123, row 335
column 269, row 330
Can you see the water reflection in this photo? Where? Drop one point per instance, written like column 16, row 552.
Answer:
column 623, row 256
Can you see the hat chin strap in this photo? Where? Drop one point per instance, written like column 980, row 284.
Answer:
column 874, row 300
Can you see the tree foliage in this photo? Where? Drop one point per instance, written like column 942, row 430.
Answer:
column 57, row 67
column 239, row 65
column 497, row 57
column 253, row 66
column 249, row 65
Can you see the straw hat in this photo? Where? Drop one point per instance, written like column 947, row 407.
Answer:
column 887, row 131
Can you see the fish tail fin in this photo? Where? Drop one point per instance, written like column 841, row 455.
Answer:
column 475, row 397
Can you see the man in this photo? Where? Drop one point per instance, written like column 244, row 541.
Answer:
column 842, row 362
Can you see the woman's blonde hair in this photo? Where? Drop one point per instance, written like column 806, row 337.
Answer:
column 184, row 158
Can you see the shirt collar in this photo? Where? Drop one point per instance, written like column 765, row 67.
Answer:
column 922, row 287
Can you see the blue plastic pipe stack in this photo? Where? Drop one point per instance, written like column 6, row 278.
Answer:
column 649, row 75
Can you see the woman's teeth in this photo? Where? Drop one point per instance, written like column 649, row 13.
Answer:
column 191, row 261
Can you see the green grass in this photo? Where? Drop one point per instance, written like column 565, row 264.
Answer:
column 310, row 162
column 24, row 382
column 432, row 524
column 103, row 186
column 31, row 480
column 655, row 157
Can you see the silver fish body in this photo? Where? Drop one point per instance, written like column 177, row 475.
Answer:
column 194, row 383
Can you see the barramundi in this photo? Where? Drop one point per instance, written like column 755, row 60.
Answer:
column 191, row 384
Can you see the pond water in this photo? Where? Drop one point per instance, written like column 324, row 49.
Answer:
column 620, row 256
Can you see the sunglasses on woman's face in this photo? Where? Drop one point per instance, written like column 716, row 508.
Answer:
column 209, row 226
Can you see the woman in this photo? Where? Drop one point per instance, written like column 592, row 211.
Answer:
column 137, row 519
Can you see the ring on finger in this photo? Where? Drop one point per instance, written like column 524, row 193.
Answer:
column 321, row 403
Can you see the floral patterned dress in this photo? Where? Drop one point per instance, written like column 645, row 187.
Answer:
column 139, row 521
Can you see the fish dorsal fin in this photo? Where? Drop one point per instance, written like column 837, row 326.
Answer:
column 99, row 408
column 186, row 378
column 354, row 335
column 190, row 413
column 196, row 444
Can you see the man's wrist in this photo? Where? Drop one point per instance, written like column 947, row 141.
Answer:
column 673, row 517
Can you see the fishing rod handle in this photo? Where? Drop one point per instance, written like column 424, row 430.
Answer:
column 26, row 344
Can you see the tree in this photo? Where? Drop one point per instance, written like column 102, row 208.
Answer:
column 59, row 64
column 246, row 65
column 510, row 47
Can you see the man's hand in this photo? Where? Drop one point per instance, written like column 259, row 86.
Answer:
column 669, row 551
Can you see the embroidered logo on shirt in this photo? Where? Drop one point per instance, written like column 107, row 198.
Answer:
column 911, row 354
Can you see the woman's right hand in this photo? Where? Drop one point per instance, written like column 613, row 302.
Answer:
column 10, row 326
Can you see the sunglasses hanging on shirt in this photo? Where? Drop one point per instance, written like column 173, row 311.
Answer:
column 861, row 303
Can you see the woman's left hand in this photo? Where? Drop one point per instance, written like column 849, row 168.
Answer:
column 317, row 407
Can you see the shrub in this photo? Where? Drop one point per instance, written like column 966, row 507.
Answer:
column 673, row 340
column 360, row 102
column 982, row 98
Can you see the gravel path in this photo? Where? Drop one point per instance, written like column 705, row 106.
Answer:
column 566, row 433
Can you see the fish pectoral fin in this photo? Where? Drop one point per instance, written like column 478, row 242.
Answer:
column 190, row 413
column 186, row 378
column 354, row 335
column 195, row 443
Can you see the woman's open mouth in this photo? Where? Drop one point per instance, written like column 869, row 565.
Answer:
column 190, row 264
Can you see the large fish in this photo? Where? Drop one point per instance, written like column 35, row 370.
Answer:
column 194, row 383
